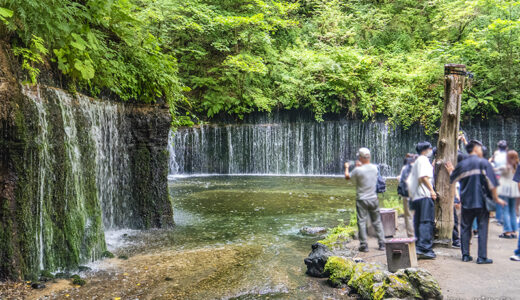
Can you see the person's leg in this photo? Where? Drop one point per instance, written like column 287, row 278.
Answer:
column 517, row 251
column 511, row 203
column 483, row 222
column 466, row 222
column 506, row 217
column 362, row 214
column 416, row 220
column 498, row 214
column 428, row 224
column 375, row 218
column 425, row 213
column 455, row 236
column 407, row 218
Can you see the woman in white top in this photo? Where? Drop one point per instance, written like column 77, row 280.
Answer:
column 508, row 191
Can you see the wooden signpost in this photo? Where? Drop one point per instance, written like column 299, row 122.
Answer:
column 454, row 77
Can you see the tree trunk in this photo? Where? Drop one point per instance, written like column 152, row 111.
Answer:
column 447, row 151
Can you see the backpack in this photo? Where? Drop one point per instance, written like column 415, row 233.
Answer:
column 402, row 187
column 381, row 183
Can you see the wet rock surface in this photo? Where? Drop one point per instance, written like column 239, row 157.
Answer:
column 38, row 286
column 317, row 260
column 313, row 230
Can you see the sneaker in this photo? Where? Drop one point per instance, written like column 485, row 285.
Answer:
column 431, row 255
column 381, row 247
column 484, row 261
column 515, row 258
column 363, row 248
column 466, row 258
column 455, row 244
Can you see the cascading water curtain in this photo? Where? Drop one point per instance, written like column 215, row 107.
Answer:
column 80, row 142
column 280, row 144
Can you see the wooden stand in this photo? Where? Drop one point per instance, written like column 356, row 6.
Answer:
column 400, row 254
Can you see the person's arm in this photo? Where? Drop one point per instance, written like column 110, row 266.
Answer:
column 495, row 197
column 491, row 178
column 426, row 181
column 347, row 174
column 462, row 138
column 457, row 198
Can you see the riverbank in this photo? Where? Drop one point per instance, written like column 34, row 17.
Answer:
column 460, row 280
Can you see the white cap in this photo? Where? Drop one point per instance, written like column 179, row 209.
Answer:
column 363, row 152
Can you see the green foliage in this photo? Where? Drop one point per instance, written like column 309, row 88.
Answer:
column 5, row 14
column 99, row 45
column 209, row 57
column 341, row 234
column 31, row 57
column 394, row 202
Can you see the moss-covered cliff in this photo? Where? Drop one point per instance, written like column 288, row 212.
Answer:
column 71, row 167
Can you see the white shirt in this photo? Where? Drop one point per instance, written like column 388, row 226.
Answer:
column 421, row 168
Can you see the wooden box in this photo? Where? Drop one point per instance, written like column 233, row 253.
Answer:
column 400, row 253
column 388, row 217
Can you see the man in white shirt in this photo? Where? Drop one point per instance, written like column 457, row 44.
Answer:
column 367, row 204
column 422, row 194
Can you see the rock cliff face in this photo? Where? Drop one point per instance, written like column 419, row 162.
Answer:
column 72, row 167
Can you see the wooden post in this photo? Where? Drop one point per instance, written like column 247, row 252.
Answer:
column 454, row 77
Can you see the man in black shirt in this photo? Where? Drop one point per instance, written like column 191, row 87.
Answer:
column 476, row 177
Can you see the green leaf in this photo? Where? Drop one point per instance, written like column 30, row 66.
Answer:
column 85, row 68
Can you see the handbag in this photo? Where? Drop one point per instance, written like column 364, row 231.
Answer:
column 490, row 204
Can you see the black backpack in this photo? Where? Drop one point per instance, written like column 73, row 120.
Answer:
column 381, row 183
column 402, row 187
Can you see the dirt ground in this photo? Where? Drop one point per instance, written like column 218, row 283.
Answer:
column 467, row 280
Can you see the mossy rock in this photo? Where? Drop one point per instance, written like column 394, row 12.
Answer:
column 339, row 270
column 75, row 276
column 424, row 282
column 367, row 279
column 398, row 286
column 371, row 281
column 339, row 236
column 107, row 254
column 79, row 281
column 122, row 256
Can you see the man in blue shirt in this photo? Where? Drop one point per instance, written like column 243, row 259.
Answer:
column 476, row 177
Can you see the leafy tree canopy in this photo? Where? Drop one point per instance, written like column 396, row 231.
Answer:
column 211, row 57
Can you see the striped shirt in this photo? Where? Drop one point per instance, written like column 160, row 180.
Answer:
column 476, row 176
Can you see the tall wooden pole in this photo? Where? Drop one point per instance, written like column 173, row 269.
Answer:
column 454, row 77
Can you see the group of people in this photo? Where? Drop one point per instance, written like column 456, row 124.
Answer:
column 482, row 185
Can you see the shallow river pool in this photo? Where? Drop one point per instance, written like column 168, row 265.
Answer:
column 236, row 237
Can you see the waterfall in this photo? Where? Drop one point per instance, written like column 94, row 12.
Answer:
column 111, row 156
column 293, row 143
column 44, row 159
column 81, row 143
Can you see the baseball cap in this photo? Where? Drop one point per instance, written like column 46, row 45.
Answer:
column 363, row 152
